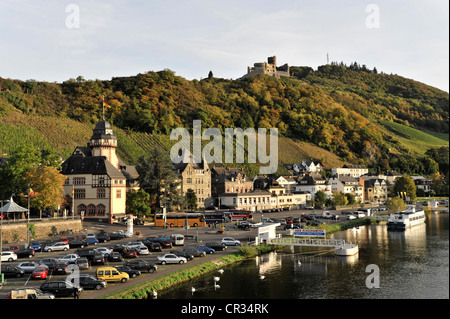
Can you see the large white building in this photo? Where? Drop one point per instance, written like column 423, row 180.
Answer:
column 97, row 179
column 350, row 170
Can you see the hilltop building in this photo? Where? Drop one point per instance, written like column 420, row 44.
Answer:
column 269, row 68
column 97, row 179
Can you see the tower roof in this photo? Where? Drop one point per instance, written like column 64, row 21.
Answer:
column 103, row 130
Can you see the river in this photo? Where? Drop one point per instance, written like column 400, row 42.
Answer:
column 400, row 265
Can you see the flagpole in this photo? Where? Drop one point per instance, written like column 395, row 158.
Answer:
column 28, row 216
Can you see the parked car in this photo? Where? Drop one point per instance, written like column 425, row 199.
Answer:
column 49, row 262
column 91, row 240
column 206, row 249
column 163, row 242
column 56, row 247
column 217, row 246
column 14, row 248
column 350, row 217
column 64, row 240
column 152, row 245
column 82, row 263
column 116, row 236
column 40, row 272
column 70, row 258
column 103, row 237
column 114, row 257
column 36, row 245
column 143, row 250
column 61, row 288
column 25, row 253
column 93, row 256
column 60, row 268
column 77, row 242
column 89, row 282
column 111, row 274
column 231, row 241
column 135, row 244
column 141, row 265
column 292, row 226
column 8, row 256
column 314, row 223
column 28, row 293
column 130, row 252
column 12, row 271
column 195, row 252
column 138, row 221
column 28, row 266
column 105, row 251
column 133, row 273
column 186, row 255
column 171, row 259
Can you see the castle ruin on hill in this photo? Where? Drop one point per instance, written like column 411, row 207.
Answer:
column 269, row 68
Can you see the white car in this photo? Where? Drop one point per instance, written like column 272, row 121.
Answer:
column 105, row 251
column 70, row 258
column 143, row 250
column 350, row 217
column 171, row 259
column 230, row 241
column 8, row 256
column 56, row 247
column 28, row 266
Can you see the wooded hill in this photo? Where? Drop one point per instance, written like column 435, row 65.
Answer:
column 336, row 114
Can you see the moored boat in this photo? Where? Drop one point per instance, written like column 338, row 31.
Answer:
column 405, row 219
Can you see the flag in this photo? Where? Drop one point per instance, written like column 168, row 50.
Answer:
column 106, row 104
column 31, row 192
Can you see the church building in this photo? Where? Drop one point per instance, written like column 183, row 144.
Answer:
column 97, row 179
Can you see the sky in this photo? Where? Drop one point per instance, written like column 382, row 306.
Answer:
column 55, row 40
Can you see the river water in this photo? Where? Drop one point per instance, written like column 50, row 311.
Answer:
column 400, row 265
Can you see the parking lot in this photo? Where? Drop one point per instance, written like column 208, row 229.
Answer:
column 194, row 236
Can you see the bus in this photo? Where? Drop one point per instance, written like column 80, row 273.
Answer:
column 180, row 220
column 217, row 217
column 241, row 214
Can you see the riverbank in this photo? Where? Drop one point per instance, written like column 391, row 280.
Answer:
column 168, row 279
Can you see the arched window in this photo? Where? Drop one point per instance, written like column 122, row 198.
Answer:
column 81, row 208
column 101, row 211
column 91, row 210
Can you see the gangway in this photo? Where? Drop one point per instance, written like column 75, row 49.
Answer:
column 341, row 247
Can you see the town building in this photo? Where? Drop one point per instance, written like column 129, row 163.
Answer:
column 229, row 180
column 97, row 180
column 375, row 190
column 350, row 170
column 348, row 185
column 195, row 175
column 312, row 183
column 307, row 167
column 423, row 184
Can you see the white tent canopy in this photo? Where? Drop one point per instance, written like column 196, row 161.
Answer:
column 12, row 207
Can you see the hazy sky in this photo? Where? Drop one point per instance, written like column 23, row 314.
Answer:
column 55, row 40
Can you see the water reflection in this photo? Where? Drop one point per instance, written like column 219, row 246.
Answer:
column 412, row 264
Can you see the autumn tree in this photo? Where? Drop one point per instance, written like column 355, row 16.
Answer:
column 47, row 184
column 405, row 184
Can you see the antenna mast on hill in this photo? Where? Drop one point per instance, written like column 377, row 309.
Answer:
column 328, row 59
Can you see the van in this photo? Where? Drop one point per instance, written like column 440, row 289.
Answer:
column 177, row 239
column 29, row 293
column 111, row 274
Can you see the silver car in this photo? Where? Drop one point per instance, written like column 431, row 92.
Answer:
column 28, row 266
column 171, row 259
column 56, row 247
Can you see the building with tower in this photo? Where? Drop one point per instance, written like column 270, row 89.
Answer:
column 97, row 179
column 268, row 68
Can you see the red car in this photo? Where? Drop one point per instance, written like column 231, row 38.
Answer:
column 39, row 273
column 130, row 253
column 64, row 240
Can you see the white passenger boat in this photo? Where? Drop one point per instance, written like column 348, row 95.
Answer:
column 408, row 218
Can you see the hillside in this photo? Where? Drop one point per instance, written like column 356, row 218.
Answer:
column 337, row 114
